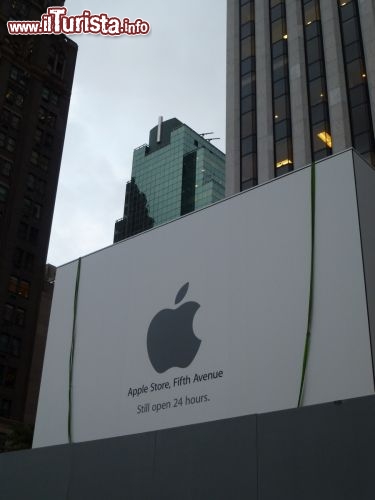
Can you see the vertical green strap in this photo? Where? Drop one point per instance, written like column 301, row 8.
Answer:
column 72, row 348
column 311, row 291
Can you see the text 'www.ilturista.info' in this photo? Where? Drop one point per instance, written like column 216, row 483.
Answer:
column 57, row 22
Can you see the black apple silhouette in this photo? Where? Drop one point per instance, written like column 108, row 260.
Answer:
column 171, row 341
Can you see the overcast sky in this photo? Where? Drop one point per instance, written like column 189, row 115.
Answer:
column 121, row 86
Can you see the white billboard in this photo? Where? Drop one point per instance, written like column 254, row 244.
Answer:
column 205, row 318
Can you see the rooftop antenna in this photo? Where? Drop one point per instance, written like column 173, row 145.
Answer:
column 205, row 133
column 158, row 135
column 213, row 139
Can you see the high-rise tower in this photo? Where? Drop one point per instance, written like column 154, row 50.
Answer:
column 300, row 85
column 176, row 173
column 36, row 76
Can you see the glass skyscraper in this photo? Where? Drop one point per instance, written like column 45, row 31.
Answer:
column 176, row 173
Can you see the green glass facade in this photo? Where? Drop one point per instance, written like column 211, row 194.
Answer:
column 177, row 172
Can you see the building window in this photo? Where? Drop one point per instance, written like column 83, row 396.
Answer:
column 356, row 79
column 5, row 407
column 10, row 345
column 11, row 145
column 39, row 160
column 320, row 129
column 5, row 167
column 18, row 75
column 40, row 186
column 3, row 193
column 46, row 117
column 23, row 259
column 9, row 119
column 37, row 211
column 282, row 130
column 7, row 376
column 18, row 257
column 33, row 183
column 26, row 232
column 54, row 99
column 20, row 7
column 14, row 315
column 24, row 289
column 56, row 62
column 14, row 98
column 44, row 163
column 20, row 315
column 50, row 96
column 20, row 287
column 43, row 138
column 38, row 136
column 37, row 185
column 30, row 182
column 13, row 285
column 48, row 140
column 45, row 94
column 22, row 230
column 34, row 157
column 8, row 313
column 28, row 261
column 248, row 132
column 7, row 142
column 27, row 208
column 33, row 235
column 15, row 121
column 4, row 341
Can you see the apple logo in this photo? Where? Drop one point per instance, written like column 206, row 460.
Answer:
column 171, row 341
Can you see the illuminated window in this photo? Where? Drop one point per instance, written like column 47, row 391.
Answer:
column 19, row 287
column 326, row 138
column 283, row 163
column 24, row 289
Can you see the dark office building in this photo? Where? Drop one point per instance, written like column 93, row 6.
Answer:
column 36, row 76
column 176, row 173
column 40, row 339
column 300, row 85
